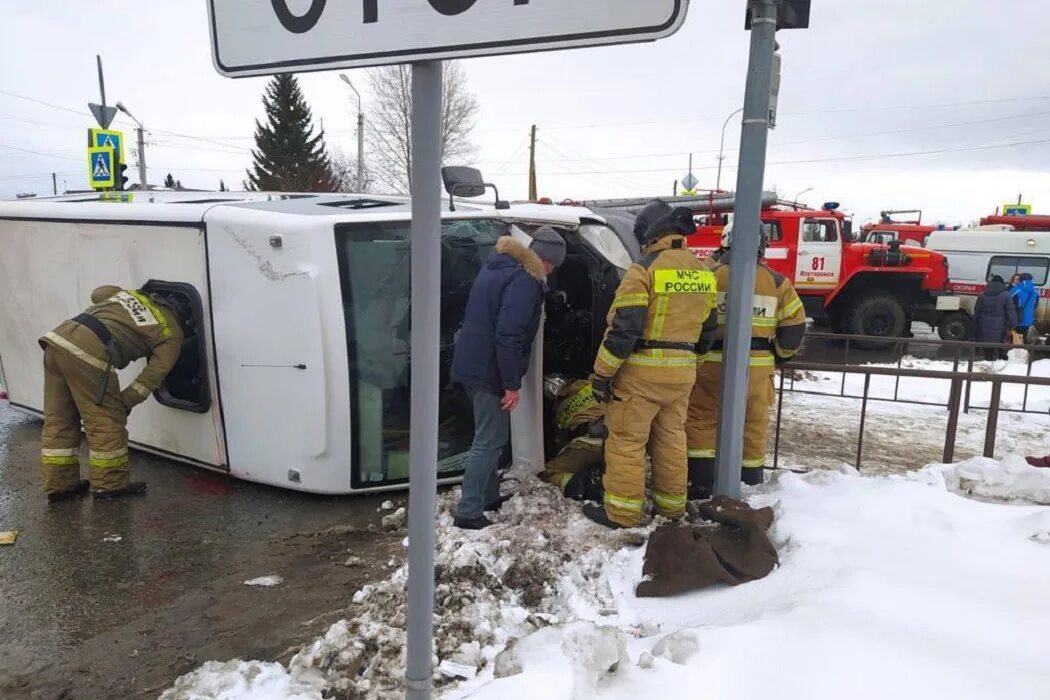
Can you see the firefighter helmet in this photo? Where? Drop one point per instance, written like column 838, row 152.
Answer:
column 727, row 239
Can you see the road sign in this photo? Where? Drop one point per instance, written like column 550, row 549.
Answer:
column 101, row 167
column 104, row 114
column 105, row 138
column 690, row 181
column 250, row 37
column 1017, row 209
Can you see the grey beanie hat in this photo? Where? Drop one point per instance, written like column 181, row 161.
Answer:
column 548, row 245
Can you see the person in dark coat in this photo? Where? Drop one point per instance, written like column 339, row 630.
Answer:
column 492, row 354
column 994, row 317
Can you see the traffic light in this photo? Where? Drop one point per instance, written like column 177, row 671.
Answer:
column 120, row 182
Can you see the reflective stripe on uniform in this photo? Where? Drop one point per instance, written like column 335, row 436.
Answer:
column 702, row 454
column 76, row 352
column 62, row 456
column 633, row 299
column 107, row 459
column 165, row 331
column 58, row 451
column 656, row 331
column 649, row 361
column 631, row 505
column 754, row 463
column 756, row 321
column 755, row 360
column 668, row 503
column 140, row 388
column 790, row 310
column 608, row 358
column 561, row 479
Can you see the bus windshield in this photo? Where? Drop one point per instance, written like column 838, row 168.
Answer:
column 374, row 268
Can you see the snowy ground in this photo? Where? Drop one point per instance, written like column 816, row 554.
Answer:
column 820, row 431
column 921, row 584
column 888, row 587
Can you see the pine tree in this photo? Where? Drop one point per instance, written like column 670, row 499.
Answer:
column 288, row 157
column 169, row 182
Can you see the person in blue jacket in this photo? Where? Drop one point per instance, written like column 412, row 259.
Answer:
column 1025, row 297
column 492, row 354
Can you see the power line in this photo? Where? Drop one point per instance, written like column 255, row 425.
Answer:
column 38, row 153
column 874, row 156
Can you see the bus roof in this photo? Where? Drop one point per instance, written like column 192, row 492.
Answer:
column 191, row 207
column 975, row 241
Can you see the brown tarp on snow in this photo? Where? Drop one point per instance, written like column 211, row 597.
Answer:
column 686, row 557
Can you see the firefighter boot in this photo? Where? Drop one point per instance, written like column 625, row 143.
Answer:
column 597, row 513
column 134, row 488
column 79, row 490
column 701, row 478
column 585, row 485
column 753, row 476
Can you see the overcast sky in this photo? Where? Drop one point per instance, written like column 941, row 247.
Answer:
column 958, row 81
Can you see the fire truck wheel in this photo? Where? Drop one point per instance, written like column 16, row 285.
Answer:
column 879, row 314
column 955, row 326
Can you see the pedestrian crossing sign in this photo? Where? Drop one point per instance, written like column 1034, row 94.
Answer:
column 101, row 167
column 107, row 138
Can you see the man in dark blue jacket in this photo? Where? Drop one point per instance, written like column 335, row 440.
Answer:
column 492, row 354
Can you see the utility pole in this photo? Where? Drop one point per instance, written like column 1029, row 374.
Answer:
column 141, row 133
column 360, row 135
column 533, row 195
column 54, row 183
column 746, row 233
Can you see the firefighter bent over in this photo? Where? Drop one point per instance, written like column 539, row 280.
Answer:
column 646, row 367
column 81, row 357
column 778, row 325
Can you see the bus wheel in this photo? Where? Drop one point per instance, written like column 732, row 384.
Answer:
column 955, row 326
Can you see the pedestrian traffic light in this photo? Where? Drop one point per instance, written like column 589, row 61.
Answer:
column 121, row 180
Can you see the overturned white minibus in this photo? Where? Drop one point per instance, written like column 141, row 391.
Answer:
column 298, row 372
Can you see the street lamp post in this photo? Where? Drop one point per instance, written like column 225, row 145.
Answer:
column 140, row 131
column 808, row 189
column 360, row 135
column 721, row 148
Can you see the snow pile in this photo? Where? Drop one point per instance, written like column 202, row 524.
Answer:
column 1013, row 479
column 888, row 587
column 240, row 680
column 541, row 565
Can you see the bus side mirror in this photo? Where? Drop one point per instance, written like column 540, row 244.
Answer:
column 461, row 181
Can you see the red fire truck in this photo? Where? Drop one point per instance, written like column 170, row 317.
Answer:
column 909, row 231
column 874, row 289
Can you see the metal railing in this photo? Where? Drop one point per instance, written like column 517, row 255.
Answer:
column 959, row 391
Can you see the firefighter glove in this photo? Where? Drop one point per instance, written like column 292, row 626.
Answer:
column 602, row 388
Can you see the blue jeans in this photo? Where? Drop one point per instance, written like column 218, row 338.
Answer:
column 491, row 432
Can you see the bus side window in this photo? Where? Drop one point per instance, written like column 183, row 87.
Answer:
column 186, row 387
column 1006, row 266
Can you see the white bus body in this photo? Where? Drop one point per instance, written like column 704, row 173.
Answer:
column 975, row 255
column 303, row 379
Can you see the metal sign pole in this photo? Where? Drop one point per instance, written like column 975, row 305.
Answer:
column 426, row 315
column 744, row 260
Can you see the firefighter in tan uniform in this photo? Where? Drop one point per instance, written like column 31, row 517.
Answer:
column 778, row 325
column 580, row 417
column 80, row 385
column 646, row 367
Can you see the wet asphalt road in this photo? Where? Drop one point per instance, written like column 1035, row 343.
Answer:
column 68, row 578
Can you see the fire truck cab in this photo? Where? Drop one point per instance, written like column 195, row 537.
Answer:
column 872, row 289
column 910, row 231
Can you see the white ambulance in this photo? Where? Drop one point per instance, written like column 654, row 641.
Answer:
column 298, row 373
column 976, row 255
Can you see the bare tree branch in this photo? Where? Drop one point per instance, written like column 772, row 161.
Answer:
column 390, row 121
